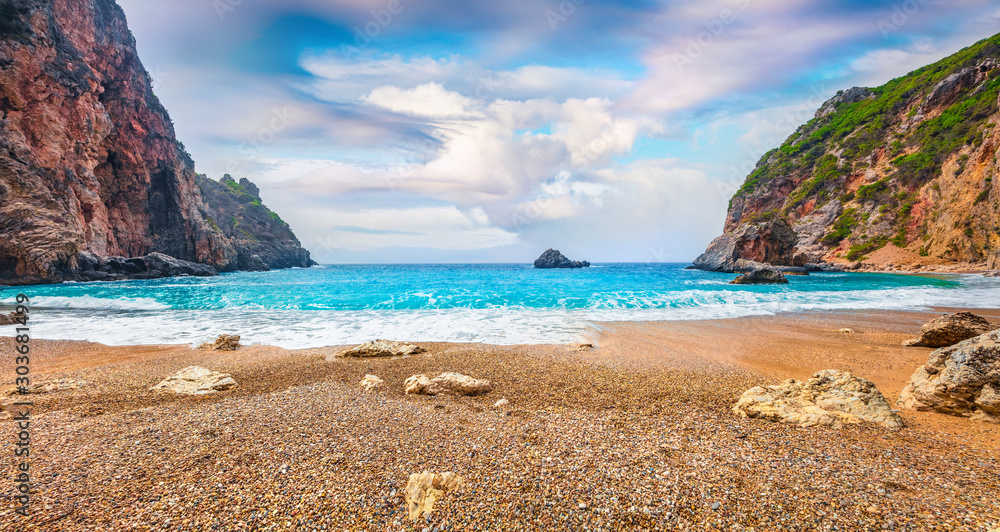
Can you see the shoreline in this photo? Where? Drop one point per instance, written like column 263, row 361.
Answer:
column 639, row 430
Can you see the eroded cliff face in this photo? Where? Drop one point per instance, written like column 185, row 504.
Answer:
column 88, row 158
column 261, row 238
column 899, row 176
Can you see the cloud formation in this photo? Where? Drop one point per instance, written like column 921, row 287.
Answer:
column 493, row 130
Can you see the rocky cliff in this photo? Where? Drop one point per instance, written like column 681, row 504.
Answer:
column 261, row 238
column 898, row 176
column 88, row 158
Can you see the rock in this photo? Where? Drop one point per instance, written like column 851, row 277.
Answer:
column 554, row 259
column 381, row 348
column 760, row 277
column 995, row 273
column 169, row 266
column 57, row 385
column 371, row 382
column 846, row 331
column 262, row 240
column 852, row 95
column 950, row 329
column 959, row 380
column 225, row 342
column 251, row 188
column 501, row 403
column 8, row 319
column 446, row 383
column 770, row 242
column 424, row 489
column 90, row 165
column 830, row 398
column 195, row 380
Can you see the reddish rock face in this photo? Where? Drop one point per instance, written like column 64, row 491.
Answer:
column 88, row 156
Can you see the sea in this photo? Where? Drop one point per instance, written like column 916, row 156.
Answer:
column 492, row 303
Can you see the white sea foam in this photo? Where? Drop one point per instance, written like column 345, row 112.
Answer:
column 92, row 303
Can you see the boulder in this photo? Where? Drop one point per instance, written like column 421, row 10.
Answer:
column 950, row 329
column 831, row 398
column 995, row 273
column 446, row 383
column 169, row 266
column 381, row 348
column 770, row 242
column 8, row 319
column 371, row 382
column 959, row 380
column 554, row 259
column 195, row 380
column 424, row 489
column 764, row 276
column 225, row 342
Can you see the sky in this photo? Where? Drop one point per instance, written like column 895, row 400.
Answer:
column 413, row 131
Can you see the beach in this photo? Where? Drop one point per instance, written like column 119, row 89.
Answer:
column 634, row 433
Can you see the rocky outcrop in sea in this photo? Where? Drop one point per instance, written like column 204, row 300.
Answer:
column 554, row 259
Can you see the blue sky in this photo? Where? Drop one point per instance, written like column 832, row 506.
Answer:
column 431, row 130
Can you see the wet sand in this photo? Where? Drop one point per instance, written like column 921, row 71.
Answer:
column 636, row 433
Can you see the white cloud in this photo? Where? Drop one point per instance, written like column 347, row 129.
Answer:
column 429, row 100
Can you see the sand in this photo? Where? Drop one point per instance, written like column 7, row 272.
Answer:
column 634, row 434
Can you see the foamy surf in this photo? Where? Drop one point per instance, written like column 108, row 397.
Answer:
column 499, row 304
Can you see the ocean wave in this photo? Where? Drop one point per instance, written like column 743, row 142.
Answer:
column 92, row 303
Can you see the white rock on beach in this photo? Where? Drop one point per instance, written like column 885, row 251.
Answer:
column 830, row 398
column 501, row 403
column 371, row 382
column 961, row 380
column 424, row 489
column 380, row 348
column 446, row 383
column 195, row 380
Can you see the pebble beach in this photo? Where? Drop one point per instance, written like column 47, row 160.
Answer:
column 634, row 433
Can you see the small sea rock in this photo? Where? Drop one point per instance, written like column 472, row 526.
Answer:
column 225, row 342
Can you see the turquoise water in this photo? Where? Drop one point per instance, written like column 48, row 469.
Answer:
column 496, row 303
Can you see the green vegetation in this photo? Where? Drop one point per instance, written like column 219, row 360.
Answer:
column 856, row 130
column 861, row 251
column 842, row 228
column 867, row 192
